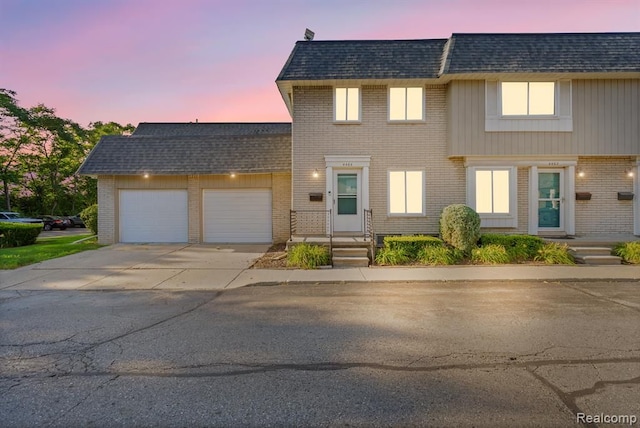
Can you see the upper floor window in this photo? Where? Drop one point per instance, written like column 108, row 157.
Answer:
column 406, row 104
column 528, row 98
column 347, row 104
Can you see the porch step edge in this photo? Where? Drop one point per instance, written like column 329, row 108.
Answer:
column 590, row 251
column 351, row 261
column 351, row 251
column 598, row 260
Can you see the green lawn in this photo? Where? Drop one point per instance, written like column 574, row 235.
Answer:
column 45, row 249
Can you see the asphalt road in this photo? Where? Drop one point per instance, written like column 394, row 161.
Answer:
column 434, row 354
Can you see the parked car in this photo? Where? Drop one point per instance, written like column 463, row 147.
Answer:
column 17, row 218
column 54, row 222
column 76, row 221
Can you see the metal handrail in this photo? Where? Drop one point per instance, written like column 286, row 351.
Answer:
column 369, row 232
column 294, row 224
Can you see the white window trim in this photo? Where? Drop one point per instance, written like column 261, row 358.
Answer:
column 495, row 220
column 556, row 101
column 561, row 121
column 424, row 106
column 424, row 195
column 348, row 121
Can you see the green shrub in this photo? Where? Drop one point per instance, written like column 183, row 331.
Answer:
column 433, row 256
column 389, row 256
column 629, row 251
column 90, row 218
column 490, row 254
column 519, row 247
column 460, row 227
column 18, row 234
column 411, row 245
column 308, row 256
column 554, row 254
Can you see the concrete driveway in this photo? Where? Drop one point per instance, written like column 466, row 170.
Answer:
column 132, row 267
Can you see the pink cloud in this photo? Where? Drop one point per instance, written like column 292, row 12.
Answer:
column 152, row 60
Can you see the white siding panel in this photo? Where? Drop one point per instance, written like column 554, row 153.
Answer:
column 237, row 216
column 153, row 216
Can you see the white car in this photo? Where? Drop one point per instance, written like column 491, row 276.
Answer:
column 17, row 218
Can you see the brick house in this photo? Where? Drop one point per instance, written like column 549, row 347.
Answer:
column 539, row 133
column 514, row 125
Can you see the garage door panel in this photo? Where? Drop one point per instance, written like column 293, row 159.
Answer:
column 153, row 216
column 237, row 216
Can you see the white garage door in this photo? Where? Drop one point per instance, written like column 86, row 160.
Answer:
column 237, row 215
column 153, row 216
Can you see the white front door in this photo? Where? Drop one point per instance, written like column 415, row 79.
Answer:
column 551, row 199
column 347, row 201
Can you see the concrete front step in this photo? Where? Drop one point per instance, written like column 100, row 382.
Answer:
column 350, row 261
column 598, row 260
column 594, row 255
column 590, row 251
column 350, row 252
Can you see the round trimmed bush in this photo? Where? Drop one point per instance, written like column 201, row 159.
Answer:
column 90, row 218
column 460, row 227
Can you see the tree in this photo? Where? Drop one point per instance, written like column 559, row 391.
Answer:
column 40, row 154
column 12, row 140
column 83, row 189
column 52, row 154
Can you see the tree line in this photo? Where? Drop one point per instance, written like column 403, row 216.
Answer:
column 39, row 156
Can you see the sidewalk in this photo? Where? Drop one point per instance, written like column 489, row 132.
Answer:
column 440, row 273
column 201, row 267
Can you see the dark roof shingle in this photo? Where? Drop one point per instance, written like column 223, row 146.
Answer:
column 364, row 59
column 180, row 155
column 543, row 53
column 168, row 129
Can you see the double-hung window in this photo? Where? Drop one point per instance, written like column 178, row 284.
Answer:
column 492, row 194
column 347, row 104
column 528, row 98
column 406, row 192
column 406, row 104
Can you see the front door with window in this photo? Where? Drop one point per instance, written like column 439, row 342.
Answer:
column 347, row 201
column 551, row 200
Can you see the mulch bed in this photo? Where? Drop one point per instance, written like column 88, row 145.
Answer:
column 274, row 258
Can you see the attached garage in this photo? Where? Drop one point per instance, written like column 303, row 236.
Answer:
column 237, row 215
column 194, row 183
column 153, row 216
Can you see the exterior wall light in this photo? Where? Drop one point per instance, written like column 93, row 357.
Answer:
column 232, row 175
column 315, row 173
column 581, row 173
column 145, row 175
column 630, row 173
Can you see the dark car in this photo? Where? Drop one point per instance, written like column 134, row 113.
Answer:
column 75, row 221
column 54, row 222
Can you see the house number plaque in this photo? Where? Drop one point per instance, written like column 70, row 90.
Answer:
column 347, row 163
column 554, row 163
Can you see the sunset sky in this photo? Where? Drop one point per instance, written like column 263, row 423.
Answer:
column 134, row 61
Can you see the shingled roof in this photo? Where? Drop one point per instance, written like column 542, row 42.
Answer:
column 168, row 129
column 364, row 59
column 543, row 53
column 190, row 154
column 462, row 54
